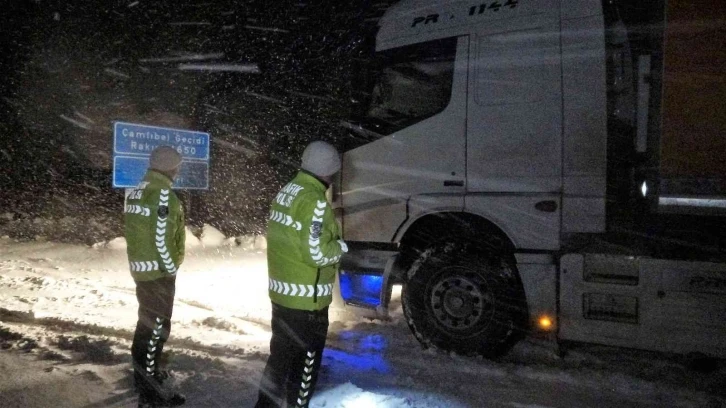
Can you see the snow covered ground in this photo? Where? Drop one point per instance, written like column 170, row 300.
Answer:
column 67, row 314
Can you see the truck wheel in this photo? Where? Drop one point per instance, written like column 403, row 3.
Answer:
column 465, row 299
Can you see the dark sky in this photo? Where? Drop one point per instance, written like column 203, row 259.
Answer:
column 74, row 67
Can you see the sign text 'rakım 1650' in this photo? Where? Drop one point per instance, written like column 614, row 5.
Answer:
column 133, row 144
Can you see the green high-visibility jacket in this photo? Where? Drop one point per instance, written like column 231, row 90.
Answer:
column 303, row 245
column 154, row 229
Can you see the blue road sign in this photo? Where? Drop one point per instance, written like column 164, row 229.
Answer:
column 133, row 144
column 131, row 139
column 130, row 170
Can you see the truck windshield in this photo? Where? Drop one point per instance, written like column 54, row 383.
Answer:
column 409, row 84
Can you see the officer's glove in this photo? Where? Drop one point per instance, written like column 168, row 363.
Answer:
column 343, row 246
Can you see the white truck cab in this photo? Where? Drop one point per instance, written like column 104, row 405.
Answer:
column 480, row 174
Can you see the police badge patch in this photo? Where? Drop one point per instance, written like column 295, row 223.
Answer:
column 163, row 211
column 315, row 229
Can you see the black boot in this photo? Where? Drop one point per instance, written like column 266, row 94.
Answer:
column 154, row 393
column 153, row 401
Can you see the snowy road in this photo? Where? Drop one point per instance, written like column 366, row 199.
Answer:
column 67, row 313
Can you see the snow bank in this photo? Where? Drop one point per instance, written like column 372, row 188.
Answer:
column 350, row 396
column 117, row 244
column 252, row 242
column 191, row 240
column 212, row 237
column 104, row 232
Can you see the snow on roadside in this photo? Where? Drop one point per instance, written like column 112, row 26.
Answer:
column 350, row 396
column 212, row 237
column 72, row 309
column 209, row 237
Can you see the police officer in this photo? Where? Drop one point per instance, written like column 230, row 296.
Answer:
column 303, row 252
column 154, row 231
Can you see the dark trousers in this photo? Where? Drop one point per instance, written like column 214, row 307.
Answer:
column 156, row 302
column 296, row 350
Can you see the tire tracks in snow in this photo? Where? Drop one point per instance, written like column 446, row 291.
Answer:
column 76, row 329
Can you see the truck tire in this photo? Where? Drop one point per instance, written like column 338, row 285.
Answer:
column 463, row 298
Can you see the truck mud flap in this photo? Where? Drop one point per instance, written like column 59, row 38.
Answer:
column 364, row 279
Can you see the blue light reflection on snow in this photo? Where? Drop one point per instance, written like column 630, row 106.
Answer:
column 375, row 342
column 359, row 362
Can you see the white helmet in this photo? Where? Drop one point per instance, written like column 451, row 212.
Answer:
column 165, row 158
column 321, row 159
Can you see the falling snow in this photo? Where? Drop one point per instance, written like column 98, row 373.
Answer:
column 263, row 78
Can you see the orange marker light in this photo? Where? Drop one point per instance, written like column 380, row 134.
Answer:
column 545, row 322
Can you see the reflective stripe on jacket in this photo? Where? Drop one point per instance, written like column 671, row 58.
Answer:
column 154, row 229
column 303, row 247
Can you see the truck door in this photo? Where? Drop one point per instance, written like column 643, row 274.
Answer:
column 515, row 112
column 514, row 129
column 411, row 140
